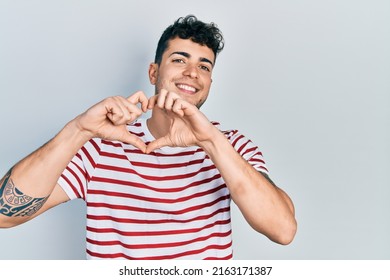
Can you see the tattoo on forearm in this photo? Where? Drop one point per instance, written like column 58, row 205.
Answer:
column 14, row 203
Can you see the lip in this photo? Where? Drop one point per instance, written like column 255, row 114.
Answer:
column 187, row 88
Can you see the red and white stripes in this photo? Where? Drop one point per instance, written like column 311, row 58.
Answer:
column 169, row 204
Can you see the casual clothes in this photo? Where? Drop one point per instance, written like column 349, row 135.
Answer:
column 172, row 203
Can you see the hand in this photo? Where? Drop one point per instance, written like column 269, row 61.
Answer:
column 108, row 119
column 188, row 125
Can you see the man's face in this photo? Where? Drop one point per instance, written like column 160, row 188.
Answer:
column 185, row 69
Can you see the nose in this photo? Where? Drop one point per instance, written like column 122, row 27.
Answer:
column 191, row 71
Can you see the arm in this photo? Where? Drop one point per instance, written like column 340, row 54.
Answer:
column 267, row 208
column 30, row 187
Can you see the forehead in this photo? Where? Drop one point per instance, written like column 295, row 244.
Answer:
column 187, row 45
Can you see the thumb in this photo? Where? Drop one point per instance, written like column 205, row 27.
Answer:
column 156, row 144
column 127, row 137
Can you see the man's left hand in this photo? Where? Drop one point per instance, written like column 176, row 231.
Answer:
column 189, row 126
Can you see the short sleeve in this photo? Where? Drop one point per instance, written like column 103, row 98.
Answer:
column 249, row 151
column 74, row 179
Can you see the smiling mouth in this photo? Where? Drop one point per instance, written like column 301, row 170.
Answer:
column 187, row 88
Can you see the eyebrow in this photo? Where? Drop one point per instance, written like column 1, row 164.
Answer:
column 187, row 55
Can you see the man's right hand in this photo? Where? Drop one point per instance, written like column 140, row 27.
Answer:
column 36, row 176
column 108, row 119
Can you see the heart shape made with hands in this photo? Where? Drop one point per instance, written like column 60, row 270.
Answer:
column 187, row 127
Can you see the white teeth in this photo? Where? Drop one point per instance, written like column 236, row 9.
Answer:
column 185, row 87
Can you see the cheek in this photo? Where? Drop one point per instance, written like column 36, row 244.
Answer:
column 163, row 83
column 168, row 77
column 207, row 83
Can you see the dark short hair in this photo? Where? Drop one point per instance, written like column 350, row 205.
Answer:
column 189, row 27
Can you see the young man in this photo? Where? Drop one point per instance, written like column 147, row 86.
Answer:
column 157, row 188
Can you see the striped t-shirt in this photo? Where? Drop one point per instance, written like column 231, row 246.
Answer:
column 170, row 204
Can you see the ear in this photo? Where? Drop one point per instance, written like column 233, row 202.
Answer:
column 153, row 73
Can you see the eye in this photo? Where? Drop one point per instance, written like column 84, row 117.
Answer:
column 178, row 60
column 203, row 67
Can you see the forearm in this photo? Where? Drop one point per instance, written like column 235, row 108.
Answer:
column 266, row 208
column 26, row 187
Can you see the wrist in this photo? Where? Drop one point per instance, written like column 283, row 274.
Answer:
column 216, row 140
column 76, row 132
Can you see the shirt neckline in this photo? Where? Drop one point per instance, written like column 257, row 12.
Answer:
column 149, row 137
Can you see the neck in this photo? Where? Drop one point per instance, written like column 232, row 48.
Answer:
column 158, row 123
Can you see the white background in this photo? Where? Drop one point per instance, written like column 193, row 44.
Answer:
column 307, row 81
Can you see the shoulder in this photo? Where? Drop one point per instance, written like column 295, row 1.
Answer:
column 230, row 134
column 238, row 140
column 245, row 147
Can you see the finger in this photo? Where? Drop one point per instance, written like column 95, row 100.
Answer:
column 156, row 144
column 139, row 97
column 121, row 111
column 133, row 140
column 132, row 112
column 126, row 137
column 161, row 98
column 182, row 108
column 137, row 142
column 115, row 114
column 166, row 100
column 177, row 108
column 152, row 102
column 169, row 101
